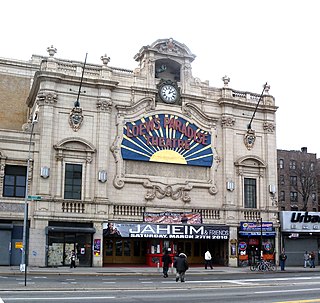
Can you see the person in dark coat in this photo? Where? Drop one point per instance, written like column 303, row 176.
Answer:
column 73, row 259
column 282, row 260
column 181, row 265
column 166, row 261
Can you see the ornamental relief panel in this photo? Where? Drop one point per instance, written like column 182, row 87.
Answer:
column 153, row 137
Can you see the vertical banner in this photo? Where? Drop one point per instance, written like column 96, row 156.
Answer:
column 97, row 247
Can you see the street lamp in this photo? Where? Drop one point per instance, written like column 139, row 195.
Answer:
column 23, row 265
column 260, row 248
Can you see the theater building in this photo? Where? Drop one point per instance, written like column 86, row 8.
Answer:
column 124, row 164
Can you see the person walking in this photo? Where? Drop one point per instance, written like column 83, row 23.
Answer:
column 282, row 259
column 73, row 259
column 181, row 265
column 207, row 260
column 306, row 260
column 166, row 261
column 312, row 257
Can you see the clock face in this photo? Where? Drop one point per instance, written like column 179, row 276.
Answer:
column 168, row 93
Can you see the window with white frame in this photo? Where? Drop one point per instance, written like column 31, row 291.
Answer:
column 281, row 163
column 292, row 164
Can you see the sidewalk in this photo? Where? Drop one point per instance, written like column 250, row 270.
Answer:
column 113, row 270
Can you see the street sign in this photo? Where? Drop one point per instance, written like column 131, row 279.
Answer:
column 34, row 197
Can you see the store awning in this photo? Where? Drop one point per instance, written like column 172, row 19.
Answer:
column 258, row 233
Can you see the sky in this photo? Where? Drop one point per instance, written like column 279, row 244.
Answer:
column 252, row 42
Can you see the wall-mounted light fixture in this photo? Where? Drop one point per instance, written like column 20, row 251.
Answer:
column 230, row 185
column 45, row 172
column 102, row 176
column 272, row 189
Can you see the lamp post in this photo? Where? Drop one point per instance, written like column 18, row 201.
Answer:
column 260, row 238
column 23, row 265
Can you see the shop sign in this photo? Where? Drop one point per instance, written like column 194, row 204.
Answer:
column 165, row 231
column 242, row 245
column 172, row 218
column 256, row 226
column 300, row 221
column 168, row 139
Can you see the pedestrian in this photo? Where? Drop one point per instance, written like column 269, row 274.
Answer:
column 306, row 260
column 282, row 259
column 207, row 260
column 73, row 259
column 166, row 261
column 312, row 257
column 181, row 265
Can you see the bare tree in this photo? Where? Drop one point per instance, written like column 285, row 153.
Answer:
column 306, row 184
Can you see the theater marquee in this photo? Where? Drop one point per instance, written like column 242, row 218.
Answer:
column 166, row 231
column 168, row 139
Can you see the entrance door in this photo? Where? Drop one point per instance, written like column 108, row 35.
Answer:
column 5, row 246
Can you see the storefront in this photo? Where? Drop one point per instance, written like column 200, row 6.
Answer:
column 256, row 239
column 145, row 242
column 11, row 242
column 63, row 238
column 300, row 232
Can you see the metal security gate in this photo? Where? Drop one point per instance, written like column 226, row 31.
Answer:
column 5, row 246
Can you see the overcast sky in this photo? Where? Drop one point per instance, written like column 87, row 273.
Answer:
column 253, row 42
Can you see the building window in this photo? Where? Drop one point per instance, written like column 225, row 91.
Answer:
column 314, row 197
column 250, row 193
column 14, row 181
column 311, row 166
column 281, row 163
column 282, row 196
column 302, row 165
column 293, row 180
column 282, row 179
column 293, row 196
column 292, row 164
column 294, row 208
column 73, row 181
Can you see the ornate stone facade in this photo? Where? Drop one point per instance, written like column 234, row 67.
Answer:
column 94, row 139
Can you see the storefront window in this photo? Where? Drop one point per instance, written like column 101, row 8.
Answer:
column 109, row 246
column 126, row 247
column 119, row 248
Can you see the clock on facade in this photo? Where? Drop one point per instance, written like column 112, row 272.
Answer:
column 169, row 92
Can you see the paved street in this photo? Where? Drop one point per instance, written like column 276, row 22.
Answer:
column 132, row 284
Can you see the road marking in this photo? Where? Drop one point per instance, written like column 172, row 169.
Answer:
column 55, row 299
column 108, row 282
column 286, row 290
column 1, row 301
column 300, row 301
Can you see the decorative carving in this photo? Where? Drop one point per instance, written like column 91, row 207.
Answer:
column 227, row 121
column 157, row 192
column 269, row 127
column 104, row 105
column 115, row 149
column 169, row 47
column 118, row 181
column 213, row 190
column 51, row 50
column 249, row 138
column 47, row 97
column 226, row 81
column 192, row 111
column 76, row 118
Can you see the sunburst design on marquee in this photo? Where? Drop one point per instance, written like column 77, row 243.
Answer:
column 152, row 139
